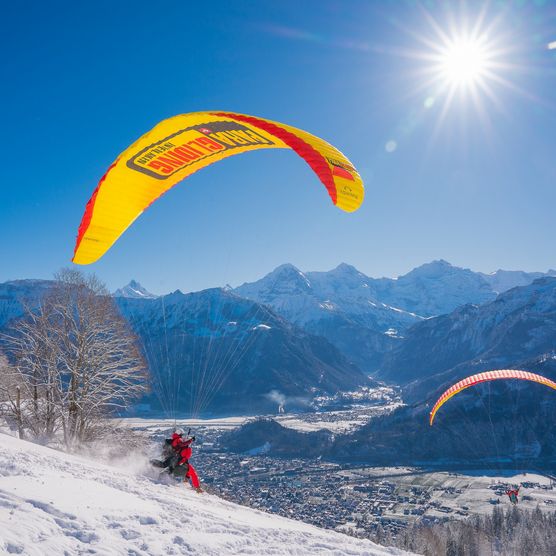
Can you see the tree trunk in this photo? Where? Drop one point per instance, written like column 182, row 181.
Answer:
column 19, row 421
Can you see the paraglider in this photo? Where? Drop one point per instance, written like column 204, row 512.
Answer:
column 484, row 377
column 179, row 146
column 176, row 453
column 512, row 495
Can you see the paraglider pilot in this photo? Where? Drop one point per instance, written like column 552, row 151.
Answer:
column 512, row 495
column 176, row 453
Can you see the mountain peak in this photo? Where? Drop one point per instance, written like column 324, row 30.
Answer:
column 287, row 273
column 434, row 268
column 440, row 264
column 134, row 290
column 285, row 280
column 345, row 268
column 286, row 267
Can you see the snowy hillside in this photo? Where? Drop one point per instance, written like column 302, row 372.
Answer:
column 52, row 503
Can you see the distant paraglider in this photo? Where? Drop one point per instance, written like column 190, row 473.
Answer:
column 513, row 495
column 179, row 146
column 484, row 377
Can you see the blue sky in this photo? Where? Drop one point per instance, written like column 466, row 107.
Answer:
column 473, row 183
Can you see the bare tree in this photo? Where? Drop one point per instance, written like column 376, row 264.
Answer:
column 78, row 359
column 34, row 375
column 11, row 386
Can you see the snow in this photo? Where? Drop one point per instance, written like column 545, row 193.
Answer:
column 309, row 298
column 54, row 503
column 453, row 494
column 338, row 426
column 504, row 280
column 163, row 425
column 335, row 421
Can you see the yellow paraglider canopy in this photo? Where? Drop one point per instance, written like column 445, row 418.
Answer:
column 179, row 146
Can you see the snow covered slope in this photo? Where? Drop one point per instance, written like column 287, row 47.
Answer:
column 52, row 503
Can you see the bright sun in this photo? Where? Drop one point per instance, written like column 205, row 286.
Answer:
column 463, row 62
column 462, row 57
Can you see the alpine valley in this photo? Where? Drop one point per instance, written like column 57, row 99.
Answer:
column 297, row 337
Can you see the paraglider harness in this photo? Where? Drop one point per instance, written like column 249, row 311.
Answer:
column 171, row 452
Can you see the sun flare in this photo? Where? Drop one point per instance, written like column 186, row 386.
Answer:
column 463, row 62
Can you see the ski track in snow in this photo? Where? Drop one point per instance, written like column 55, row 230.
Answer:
column 52, row 503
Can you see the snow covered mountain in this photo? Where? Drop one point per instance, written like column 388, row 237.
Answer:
column 17, row 294
column 310, row 297
column 503, row 280
column 135, row 290
column 431, row 289
column 438, row 287
column 367, row 318
column 517, row 326
column 435, row 288
column 332, row 326
column 339, row 305
column 216, row 351
column 58, row 504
